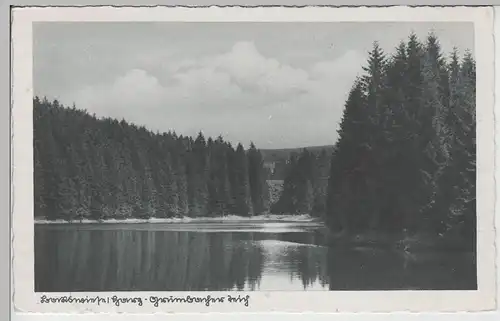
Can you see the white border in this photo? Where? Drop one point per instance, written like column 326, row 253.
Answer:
column 484, row 298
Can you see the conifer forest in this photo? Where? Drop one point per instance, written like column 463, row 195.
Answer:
column 105, row 168
column 404, row 164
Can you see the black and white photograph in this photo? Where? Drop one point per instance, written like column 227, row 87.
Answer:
column 206, row 156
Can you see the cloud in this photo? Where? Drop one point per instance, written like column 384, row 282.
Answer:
column 252, row 70
column 241, row 94
column 134, row 90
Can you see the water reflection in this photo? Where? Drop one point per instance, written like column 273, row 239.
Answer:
column 221, row 257
column 375, row 269
column 112, row 259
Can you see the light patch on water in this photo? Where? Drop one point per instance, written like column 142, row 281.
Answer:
column 277, row 252
column 282, row 282
column 268, row 244
column 279, row 272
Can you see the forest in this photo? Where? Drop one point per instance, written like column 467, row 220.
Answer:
column 90, row 168
column 405, row 159
column 305, row 184
column 406, row 155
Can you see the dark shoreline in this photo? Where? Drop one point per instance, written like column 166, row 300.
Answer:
column 397, row 241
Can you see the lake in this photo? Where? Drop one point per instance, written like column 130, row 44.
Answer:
column 224, row 256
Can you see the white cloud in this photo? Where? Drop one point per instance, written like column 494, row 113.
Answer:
column 250, row 69
column 240, row 93
column 134, row 90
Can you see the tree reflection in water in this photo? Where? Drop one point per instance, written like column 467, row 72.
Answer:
column 377, row 269
column 71, row 259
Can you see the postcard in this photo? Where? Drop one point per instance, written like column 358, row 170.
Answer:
column 269, row 159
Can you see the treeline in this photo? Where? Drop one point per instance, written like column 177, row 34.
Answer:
column 104, row 168
column 305, row 184
column 280, row 158
column 406, row 155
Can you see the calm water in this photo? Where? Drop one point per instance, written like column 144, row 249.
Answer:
column 263, row 256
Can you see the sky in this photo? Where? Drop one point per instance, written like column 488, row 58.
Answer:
column 279, row 85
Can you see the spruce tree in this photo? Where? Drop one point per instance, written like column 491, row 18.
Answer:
column 243, row 200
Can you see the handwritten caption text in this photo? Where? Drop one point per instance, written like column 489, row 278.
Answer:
column 155, row 301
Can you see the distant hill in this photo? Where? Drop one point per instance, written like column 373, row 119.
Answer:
column 276, row 159
column 276, row 155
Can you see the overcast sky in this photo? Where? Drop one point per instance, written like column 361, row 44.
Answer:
column 277, row 84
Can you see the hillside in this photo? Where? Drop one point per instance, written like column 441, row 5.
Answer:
column 275, row 155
